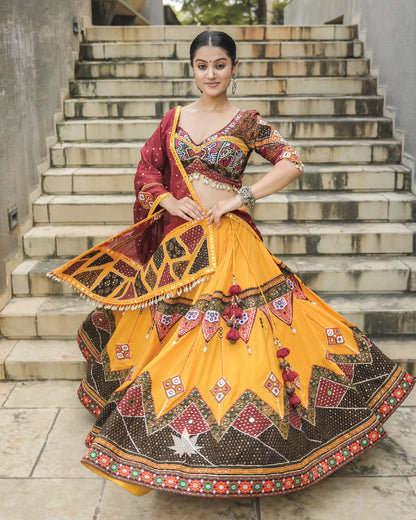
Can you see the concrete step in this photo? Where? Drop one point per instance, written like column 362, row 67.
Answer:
column 332, row 274
column 291, row 128
column 339, row 238
column 259, row 68
column 346, row 238
column 245, row 50
column 65, row 241
column 238, row 32
column 46, row 317
column 279, row 207
column 52, row 359
column 59, row 316
column 127, row 154
column 355, row 274
column 384, row 177
column 305, row 86
column 37, row 359
column 271, row 106
column 386, row 314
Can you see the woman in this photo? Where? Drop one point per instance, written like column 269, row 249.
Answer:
column 213, row 370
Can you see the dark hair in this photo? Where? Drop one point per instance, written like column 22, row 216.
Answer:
column 214, row 39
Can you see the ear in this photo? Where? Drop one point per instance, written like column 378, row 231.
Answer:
column 235, row 66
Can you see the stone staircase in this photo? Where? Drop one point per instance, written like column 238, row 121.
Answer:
column 346, row 226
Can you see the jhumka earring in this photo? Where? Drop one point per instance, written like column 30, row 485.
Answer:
column 234, row 85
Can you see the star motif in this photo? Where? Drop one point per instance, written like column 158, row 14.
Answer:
column 185, row 444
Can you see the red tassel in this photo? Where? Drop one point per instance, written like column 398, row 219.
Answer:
column 228, row 313
column 238, row 312
column 235, row 289
column 289, row 375
column 233, row 335
column 294, row 400
column 282, row 352
column 232, row 311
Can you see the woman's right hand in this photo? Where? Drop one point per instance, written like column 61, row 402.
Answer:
column 185, row 208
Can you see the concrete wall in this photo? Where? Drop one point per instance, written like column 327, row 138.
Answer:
column 37, row 52
column 153, row 11
column 387, row 28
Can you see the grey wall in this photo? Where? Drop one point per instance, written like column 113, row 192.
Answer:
column 153, row 11
column 387, row 28
column 37, row 51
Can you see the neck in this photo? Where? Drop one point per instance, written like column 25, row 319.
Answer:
column 213, row 104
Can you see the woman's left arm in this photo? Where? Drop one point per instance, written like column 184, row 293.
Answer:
column 261, row 137
column 282, row 174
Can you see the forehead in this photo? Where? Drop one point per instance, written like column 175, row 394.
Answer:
column 209, row 53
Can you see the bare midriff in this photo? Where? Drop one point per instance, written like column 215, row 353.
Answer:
column 209, row 195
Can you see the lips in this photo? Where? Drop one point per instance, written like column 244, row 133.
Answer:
column 212, row 84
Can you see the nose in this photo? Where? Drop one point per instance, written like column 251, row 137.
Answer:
column 211, row 72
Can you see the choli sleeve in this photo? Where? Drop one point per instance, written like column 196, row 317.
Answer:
column 266, row 141
column 149, row 183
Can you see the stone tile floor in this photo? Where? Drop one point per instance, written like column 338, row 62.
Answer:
column 42, row 429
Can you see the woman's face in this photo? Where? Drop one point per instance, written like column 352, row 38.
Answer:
column 213, row 70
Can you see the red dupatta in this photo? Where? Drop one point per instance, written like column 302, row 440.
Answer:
column 136, row 267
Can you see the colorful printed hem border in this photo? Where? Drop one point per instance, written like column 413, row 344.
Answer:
column 226, row 487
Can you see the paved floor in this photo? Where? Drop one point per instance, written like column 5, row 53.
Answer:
column 42, row 429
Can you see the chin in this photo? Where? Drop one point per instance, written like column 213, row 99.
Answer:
column 214, row 91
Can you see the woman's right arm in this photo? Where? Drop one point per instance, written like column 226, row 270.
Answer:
column 152, row 188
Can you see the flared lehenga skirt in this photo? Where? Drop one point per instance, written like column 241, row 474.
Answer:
column 245, row 384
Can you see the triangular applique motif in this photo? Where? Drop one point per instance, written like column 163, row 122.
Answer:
column 282, row 308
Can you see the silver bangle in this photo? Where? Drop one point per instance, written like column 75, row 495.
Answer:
column 247, row 197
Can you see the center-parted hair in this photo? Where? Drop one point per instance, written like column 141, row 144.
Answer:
column 214, row 39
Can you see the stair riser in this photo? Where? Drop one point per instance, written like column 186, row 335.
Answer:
column 244, row 33
column 31, row 360
column 32, row 370
column 245, row 50
column 61, row 326
column 246, row 87
column 68, row 242
column 44, row 325
column 97, row 108
column 79, row 183
column 322, row 152
column 257, row 68
column 285, row 210
column 35, row 282
column 340, row 244
column 129, row 131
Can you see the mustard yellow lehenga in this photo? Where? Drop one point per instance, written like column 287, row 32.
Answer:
column 213, row 370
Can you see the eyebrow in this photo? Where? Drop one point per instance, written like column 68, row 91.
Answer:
column 205, row 61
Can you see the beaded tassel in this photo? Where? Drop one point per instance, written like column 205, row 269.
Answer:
column 288, row 374
column 233, row 312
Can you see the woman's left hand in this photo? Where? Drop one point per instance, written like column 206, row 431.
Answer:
column 221, row 207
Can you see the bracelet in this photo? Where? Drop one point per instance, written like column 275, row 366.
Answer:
column 247, row 197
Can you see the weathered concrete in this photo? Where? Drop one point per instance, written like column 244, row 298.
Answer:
column 387, row 29
column 37, row 53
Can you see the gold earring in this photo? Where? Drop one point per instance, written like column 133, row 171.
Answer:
column 234, row 85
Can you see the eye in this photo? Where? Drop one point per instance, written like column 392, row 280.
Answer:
column 202, row 67
column 220, row 66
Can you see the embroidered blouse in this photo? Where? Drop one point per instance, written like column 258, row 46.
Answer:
column 220, row 159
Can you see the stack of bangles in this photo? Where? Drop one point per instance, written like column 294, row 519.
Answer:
column 247, row 197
